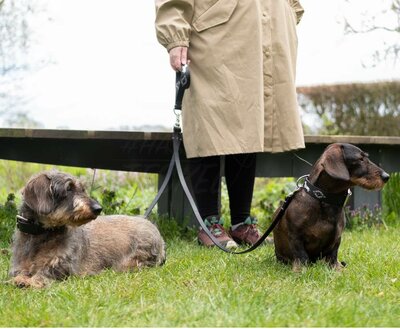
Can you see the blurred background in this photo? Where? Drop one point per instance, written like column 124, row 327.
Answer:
column 95, row 64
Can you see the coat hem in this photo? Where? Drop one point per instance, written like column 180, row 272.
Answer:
column 190, row 155
column 284, row 149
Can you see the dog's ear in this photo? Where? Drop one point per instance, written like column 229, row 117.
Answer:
column 333, row 162
column 59, row 186
column 37, row 194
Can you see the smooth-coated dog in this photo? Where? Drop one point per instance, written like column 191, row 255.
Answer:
column 60, row 234
column 312, row 226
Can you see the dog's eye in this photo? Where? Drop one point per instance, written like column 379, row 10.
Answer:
column 69, row 187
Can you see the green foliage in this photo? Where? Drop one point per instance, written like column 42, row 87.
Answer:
column 355, row 109
column 8, row 211
column 112, row 206
column 122, row 192
column 131, row 193
column 172, row 229
column 268, row 194
column 364, row 217
column 391, row 199
column 15, row 174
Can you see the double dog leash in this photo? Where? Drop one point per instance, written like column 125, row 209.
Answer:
column 182, row 83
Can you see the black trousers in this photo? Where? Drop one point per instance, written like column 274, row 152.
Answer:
column 240, row 172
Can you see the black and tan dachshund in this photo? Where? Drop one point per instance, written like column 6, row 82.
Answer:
column 312, row 225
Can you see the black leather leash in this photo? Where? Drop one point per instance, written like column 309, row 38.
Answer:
column 182, row 83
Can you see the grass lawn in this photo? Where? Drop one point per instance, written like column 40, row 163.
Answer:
column 200, row 287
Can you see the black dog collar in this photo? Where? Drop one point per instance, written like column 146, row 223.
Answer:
column 30, row 227
column 336, row 199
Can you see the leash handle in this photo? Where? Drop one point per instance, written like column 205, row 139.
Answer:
column 182, row 82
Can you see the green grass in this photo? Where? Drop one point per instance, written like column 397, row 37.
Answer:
column 200, row 287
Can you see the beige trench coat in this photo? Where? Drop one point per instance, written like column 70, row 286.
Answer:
column 242, row 97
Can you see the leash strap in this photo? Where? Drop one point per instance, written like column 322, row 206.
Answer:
column 175, row 161
column 181, row 84
column 162, row 188
column 176, row 144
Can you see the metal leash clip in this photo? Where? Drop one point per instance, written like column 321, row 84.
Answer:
column 301, row 181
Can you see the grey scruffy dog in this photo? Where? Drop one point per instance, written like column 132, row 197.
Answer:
column 59, row 233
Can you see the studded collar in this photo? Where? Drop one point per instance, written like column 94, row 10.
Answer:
column 336, row 199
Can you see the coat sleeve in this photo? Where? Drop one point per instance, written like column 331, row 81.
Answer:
column 298, row 9
column 173, row 22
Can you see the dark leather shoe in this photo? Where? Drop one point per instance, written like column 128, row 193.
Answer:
column 214, row 224
column 247, row 232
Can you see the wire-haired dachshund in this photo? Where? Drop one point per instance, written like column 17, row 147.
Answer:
column 313, row 223
column 60, row 233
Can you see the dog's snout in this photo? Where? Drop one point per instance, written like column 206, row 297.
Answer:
column 96, row 208
column 385, row 176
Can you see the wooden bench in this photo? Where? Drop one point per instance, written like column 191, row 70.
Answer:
column 150, row 152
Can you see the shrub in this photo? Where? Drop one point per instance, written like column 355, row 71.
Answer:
column 8, row 212
column 111, row 205
column 169, row 227
column 355, row 109
column 364, row 217
column 391, row 199
column 268, row 193
column 122, row 192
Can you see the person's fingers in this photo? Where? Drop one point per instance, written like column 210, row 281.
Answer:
column 184, row 56
column 177, row 57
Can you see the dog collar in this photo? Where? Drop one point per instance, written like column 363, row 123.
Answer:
column 336, row 199
column 30, row 227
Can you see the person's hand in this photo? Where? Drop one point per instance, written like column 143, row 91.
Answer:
column 178, row 57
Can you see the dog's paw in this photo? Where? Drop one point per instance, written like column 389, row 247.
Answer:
column 297, row 266
column 38, row 284
column 22, row 281
column 338, row 266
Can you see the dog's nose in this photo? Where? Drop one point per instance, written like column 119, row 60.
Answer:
column 385, row 176
column 96, row 208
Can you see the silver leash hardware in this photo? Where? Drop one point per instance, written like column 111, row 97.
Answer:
column 177, row 124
